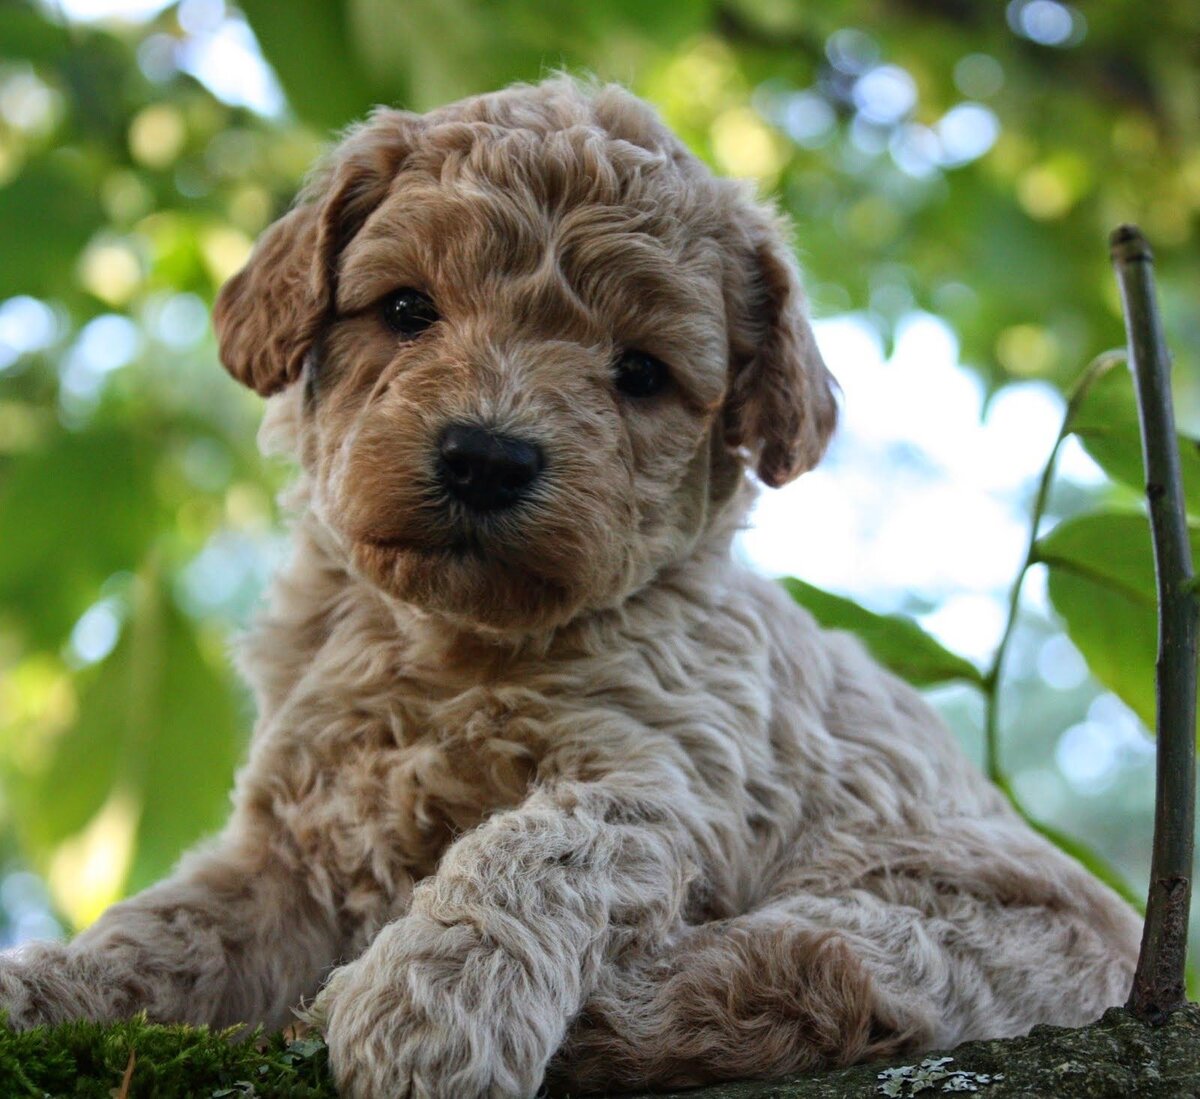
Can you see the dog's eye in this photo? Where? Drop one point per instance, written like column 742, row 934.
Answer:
column 641, row 375
column 408, row 312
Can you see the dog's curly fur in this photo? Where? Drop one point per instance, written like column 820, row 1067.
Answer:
column 562, row 789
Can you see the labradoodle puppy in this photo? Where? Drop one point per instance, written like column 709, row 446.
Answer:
column 543, row 783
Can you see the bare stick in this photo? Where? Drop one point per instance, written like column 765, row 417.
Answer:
column 1158, row 985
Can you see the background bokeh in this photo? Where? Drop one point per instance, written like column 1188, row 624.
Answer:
column 952, row 169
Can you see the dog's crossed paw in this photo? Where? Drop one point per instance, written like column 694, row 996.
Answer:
column 410, row 1028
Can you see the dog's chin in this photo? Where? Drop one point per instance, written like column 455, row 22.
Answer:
column 463, row 583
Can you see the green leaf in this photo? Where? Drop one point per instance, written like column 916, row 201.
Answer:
column 1078, row 850
column 85, row 765
column 308, row 43
column 186, row 736
column 26, row 34
column 1101, row 580
column 1093, row 861
column 73, row 512
column 369, row 52
column 49, row 212
column 1106, row 423
column 895, row 641
column 157, row 723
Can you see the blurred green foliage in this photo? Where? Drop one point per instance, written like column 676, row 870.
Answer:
column 961, row 158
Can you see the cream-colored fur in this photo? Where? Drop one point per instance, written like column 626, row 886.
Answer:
column 561, row 788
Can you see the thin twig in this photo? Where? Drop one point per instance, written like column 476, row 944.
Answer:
column 127, row 1079
column 1158, row 985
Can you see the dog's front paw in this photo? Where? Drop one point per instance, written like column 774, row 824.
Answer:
column 16, row 997
column 429, row 1013
column 35, row 987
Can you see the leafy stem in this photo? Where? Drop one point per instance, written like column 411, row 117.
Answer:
column 1096, row 369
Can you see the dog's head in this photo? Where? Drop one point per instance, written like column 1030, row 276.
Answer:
column 532, row 344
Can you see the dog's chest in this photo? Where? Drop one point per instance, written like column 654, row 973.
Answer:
column 374, row 763
column 373, row 779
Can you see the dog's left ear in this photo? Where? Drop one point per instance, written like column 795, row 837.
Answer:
column 781, row 405
column 269, row 314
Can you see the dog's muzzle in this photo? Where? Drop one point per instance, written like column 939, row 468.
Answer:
column 484, row 470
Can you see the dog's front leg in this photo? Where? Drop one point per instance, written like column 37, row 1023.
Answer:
column 234, row 935
column 470, row 994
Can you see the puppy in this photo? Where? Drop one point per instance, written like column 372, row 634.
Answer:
column 542, row 781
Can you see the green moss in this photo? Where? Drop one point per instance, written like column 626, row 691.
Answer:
column 88, row 1061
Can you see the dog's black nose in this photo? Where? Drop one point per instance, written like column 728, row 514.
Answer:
column 485, row 470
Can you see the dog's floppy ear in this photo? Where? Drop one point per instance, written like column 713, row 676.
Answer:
column 781, row 406
column 268, row 315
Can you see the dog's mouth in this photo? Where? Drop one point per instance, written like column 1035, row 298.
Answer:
column 458, row 549
column 438, row 533
column 440, row 528
column 440, row 536
column 507, row 568
column 465, row 579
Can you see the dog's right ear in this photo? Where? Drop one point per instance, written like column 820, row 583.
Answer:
column 268, row 315
column 782, row 406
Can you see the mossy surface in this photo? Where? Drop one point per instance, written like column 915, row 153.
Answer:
column 89, row 1061
column 1114, row 1057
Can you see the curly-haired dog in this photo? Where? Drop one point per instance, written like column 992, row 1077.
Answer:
column 543, row 781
